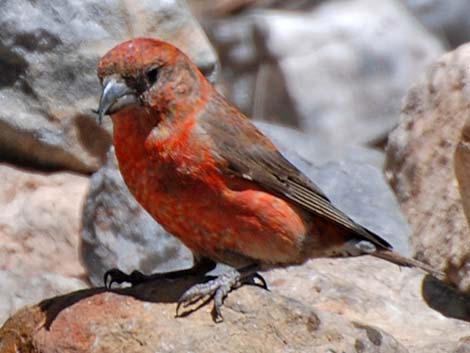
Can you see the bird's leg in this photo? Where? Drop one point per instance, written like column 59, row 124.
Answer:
column 115, row 275
column 219, row 287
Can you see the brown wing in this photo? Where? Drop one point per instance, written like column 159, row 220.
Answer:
column 251, row 155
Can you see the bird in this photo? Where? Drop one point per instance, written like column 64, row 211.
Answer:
column 202, row 170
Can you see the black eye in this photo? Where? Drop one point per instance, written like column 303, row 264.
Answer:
column 152, row 75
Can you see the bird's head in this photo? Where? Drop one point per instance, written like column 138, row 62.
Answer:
column 151, row 74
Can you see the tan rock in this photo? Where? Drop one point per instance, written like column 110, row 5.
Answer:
column 18, row 289
column 462, row 166
column 401, row 301
column 326, row 305
column 255, row 321
column 420, row 165
column 40, row 220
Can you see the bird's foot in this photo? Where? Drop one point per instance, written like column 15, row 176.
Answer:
column 219, row 288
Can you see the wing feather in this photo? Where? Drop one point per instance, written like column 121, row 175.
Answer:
column 249, row 154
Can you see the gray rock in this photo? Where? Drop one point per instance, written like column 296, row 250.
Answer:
column 118, row 232
column 225, row 8
column 362, row 192
column 317, row 151
column 338, row 72
column 346, row 66
column 447, row 19
column 49, row 54
column 238, row 56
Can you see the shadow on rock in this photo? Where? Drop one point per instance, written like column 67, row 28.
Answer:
column 53, row 306
column 446, row 299
column 156, row 291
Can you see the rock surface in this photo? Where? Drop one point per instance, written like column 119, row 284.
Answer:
column 40, row 221
column 18, row 289
column 319, row 152
column 49, row 54
column 342, row 305
column 363, row 194
column 422, row 314
column 338, row 72
column 447, row 19
column 39, row 235
column 420, row 165
column 254, row 321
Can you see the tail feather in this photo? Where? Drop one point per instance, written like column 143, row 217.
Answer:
column 401, row 260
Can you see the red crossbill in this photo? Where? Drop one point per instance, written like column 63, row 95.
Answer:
column 212, row 179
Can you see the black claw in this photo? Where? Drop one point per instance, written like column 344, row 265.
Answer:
column 105, row 280
column 177, row 314
column 263, row 283
column 217, row 315
column 113, row 275
column 187, row 304
column 183, row 304
column 250, row 280
column 117, row 276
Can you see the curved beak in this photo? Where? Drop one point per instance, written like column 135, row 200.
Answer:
column 114, row 88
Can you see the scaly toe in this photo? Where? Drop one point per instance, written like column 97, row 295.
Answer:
column 219, row 296
column 218, row 288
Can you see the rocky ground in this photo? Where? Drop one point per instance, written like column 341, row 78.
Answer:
column 370, row 99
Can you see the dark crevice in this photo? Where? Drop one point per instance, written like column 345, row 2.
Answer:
column 39, row 40
column 12, row 66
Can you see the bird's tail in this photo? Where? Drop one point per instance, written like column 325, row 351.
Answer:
column 401, row 260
